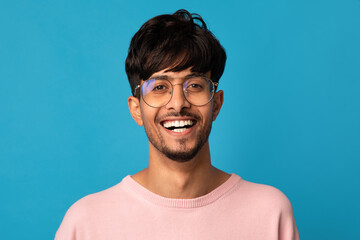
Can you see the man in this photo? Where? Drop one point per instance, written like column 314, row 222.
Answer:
column 173, row 66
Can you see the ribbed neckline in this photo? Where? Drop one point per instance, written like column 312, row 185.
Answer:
column 181, row 203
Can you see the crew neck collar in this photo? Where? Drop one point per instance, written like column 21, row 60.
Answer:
column 182, row 203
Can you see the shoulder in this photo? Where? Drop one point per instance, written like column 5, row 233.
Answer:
column 265, row 206
column 82, row 213
column 262, row 196
column 95, row 204
column 263, row 190
column 102, row 200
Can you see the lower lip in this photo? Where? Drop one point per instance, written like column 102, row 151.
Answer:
column 186, row 132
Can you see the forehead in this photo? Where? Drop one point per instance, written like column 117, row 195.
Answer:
column 174, row 75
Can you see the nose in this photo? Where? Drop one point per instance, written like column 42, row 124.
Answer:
column 178, row 100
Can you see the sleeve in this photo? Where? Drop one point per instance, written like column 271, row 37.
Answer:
column 72, row 226
column 67, row 229
column 287, row 225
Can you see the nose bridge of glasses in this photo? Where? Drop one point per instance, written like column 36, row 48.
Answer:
column 177, row 84
column 180, row 93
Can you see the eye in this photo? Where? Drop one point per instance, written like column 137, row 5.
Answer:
column 159, row 88
column 155, row 86
column 195, row 85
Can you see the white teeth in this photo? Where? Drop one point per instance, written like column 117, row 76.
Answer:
column 179, row 130
column 177, row 123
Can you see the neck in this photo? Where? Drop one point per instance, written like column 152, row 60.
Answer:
column 172, row 179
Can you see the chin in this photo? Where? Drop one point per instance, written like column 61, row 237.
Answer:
column 181, row 156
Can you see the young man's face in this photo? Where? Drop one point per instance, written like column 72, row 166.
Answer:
column 181, row 144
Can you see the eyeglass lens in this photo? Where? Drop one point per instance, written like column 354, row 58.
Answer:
column 158, row 92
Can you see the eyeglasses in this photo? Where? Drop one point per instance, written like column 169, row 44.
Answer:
column 157, row 93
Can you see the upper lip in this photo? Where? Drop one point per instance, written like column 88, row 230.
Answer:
column 176, row 119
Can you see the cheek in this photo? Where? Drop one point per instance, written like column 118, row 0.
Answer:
column 148, row 115
column 207, row 115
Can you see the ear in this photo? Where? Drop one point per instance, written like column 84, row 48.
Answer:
column 134, row 107
column 218, row 101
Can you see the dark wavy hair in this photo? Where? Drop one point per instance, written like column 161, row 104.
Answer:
column 177, row 42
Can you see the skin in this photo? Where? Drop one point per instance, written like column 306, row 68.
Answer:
column 166, row 176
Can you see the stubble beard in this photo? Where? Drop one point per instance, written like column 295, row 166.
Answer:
column 181, row 153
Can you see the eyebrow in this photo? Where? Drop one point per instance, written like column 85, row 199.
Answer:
column 166, row 77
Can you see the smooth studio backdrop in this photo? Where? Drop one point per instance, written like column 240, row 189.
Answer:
column 290, row 117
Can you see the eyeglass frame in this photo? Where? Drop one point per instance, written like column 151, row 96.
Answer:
column 215, row 85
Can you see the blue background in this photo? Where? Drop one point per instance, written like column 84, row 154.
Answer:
column 290, row 117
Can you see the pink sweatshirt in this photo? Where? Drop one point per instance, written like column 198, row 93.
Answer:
column 237, row 209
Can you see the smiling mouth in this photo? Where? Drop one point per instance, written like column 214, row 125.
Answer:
column 178, row 125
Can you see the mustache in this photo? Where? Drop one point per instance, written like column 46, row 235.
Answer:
column 182, row 113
